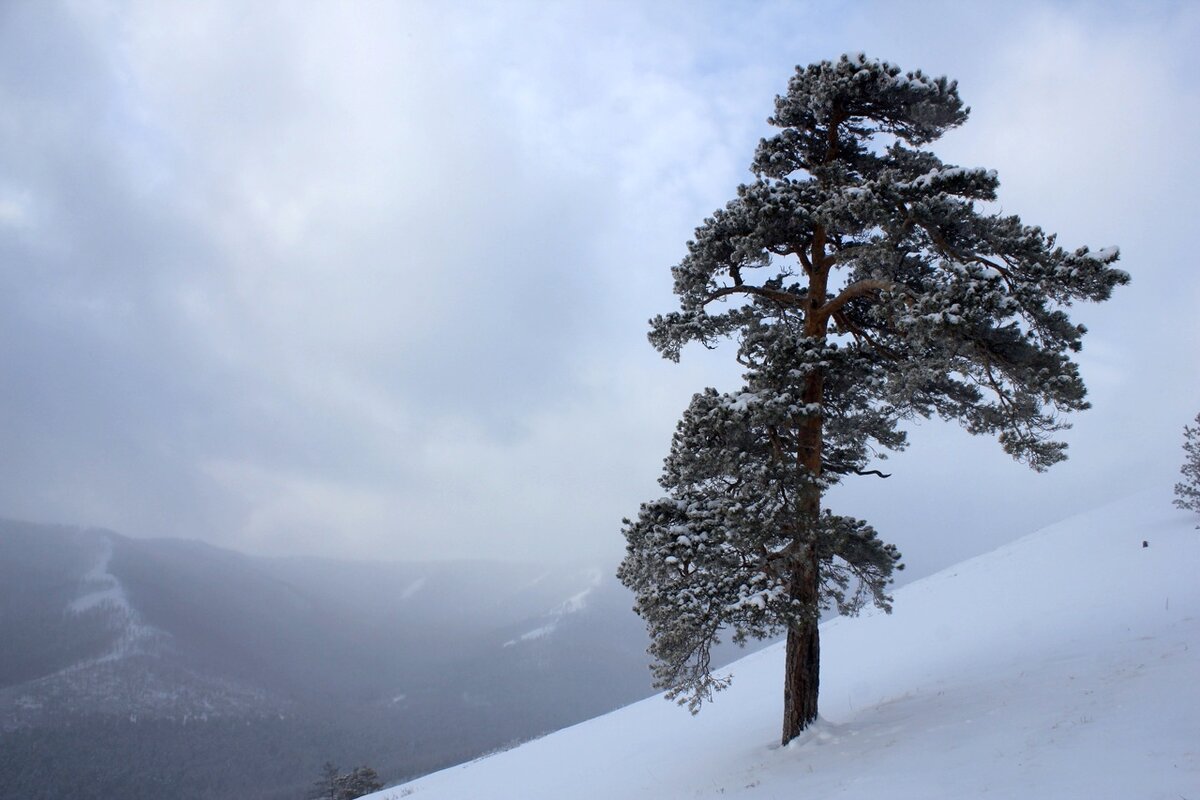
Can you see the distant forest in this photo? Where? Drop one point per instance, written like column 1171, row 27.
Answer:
column 105, row 758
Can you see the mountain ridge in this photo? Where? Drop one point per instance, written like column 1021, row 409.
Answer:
column 133, row 650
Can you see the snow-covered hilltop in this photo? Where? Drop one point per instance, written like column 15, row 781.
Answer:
column 1063, row 665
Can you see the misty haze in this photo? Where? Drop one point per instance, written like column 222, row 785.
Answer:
column 334, row 453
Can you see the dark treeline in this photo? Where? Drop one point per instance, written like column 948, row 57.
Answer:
column 104, row 757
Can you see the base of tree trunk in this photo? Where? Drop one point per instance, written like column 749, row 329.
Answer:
column 801, row 678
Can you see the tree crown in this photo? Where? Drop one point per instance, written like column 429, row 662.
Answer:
column 882, row 246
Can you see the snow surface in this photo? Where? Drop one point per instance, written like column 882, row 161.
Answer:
column 1063, row 665
column 102, row 590
column 102, row 587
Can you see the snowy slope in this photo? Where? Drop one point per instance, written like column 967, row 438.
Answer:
column 1063, row 665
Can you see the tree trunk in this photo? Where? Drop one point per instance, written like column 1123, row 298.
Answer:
column 802, row 669
column 802, row 665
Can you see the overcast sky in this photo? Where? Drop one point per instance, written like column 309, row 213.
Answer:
column 372, row 279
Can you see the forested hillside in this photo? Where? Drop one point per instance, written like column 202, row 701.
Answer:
column 134, row 665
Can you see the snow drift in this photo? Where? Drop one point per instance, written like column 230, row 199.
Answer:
column 1063, row 665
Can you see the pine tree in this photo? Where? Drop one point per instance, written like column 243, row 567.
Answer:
column 333, row 785
column 360, row 781
column 1187, row 491
column 327, row 786
column 866, row 283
